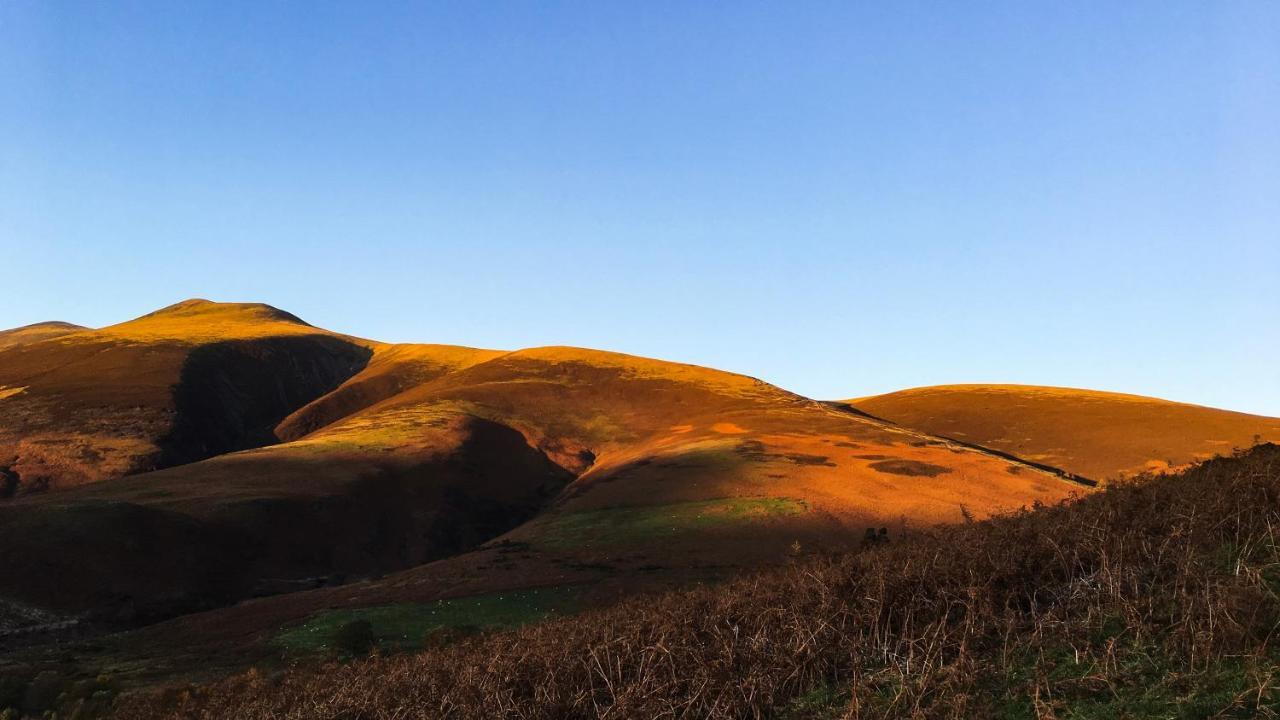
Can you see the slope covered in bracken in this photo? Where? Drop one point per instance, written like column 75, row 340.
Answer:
column 1153, row 598
column 1099, row 435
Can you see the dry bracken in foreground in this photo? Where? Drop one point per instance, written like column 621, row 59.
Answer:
column 1154, row 598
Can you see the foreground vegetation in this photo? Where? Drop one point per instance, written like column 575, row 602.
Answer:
column 409, row 626
column 1155, row 598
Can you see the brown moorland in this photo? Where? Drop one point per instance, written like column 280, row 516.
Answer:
column 601, row 468
column 1099, row 435
column 1152, row 598
column 343, row 477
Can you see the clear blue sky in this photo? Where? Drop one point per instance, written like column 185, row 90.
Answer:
column 841, row 198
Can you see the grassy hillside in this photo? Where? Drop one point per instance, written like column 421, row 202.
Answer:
column 438, row 473
column 392, row 370
column 677, row 474
column 28, row 334
column 1150, row 599
column 244, row 485
column 640, row 472
column 1098, row 435
column 184, row 383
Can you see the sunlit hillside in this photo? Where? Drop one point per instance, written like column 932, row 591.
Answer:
column 1099, row 435
column 228, row 485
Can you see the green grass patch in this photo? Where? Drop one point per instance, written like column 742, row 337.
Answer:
column 406, row 626
column 618, row 526
column 1144, row 684
column 825, row 702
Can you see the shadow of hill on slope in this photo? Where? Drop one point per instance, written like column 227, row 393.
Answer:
column 392, row 370
column 145, row 548
column 231, row 395
column 174, row 386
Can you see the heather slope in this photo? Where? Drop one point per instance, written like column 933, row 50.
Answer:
column 1099, row 435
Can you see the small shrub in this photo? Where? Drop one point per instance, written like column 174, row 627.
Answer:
column 43, row 692
column 354, row 639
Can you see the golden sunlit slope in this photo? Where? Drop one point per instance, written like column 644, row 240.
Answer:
column 649, row 432
column 1099, row 435
column 28, row 334
column 682, row 473
column 183, row 383
column 198, row 320
column 392, row 370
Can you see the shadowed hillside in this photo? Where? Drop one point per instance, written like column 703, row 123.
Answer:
column 270, row 520
column 1151, row 599
column 1098, row 435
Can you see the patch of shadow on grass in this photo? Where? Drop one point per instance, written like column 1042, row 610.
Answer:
column 912, row 468
column 756, row 451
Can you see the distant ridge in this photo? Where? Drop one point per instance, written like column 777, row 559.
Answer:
column 36, row 332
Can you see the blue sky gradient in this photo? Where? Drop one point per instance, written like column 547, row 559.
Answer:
column 841, row 198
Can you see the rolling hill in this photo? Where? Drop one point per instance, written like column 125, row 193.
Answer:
column 397, row 455
column 1098, row 435
column 187, row 382
column 679, row 474
column 239, row 481
column 28, row 334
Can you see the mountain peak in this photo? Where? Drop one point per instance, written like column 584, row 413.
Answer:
column 201, row 308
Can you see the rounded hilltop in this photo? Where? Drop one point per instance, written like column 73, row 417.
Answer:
column 198, row 319
column 36, row 332
column 1093, row 433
